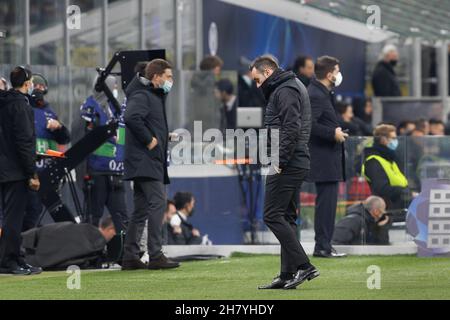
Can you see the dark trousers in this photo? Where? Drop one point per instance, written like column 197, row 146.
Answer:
column 33, row 211
column 109, row 191
column 150, row 204
column 14, row 197
column 325, row 214
column 280, row 216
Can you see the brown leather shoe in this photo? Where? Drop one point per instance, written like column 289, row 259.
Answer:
column 133, row 265
column 162, row 263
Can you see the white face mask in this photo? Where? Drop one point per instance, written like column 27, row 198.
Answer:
column 338, row 80
column 115, row 93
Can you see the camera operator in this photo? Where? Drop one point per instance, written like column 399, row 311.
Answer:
column 104, row 179
column 51, row 134
column 364, row 224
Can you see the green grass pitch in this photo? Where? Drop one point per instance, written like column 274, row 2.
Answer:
column 402, row 277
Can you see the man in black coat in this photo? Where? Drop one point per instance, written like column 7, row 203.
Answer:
column 185, row 203
column 304, row 69
column 364, row 224
column 59, row 245
column 225, row 93
column 384, row 79
column 17, row 168
column 248, row 94
column 146, row 146
column 287, row 112
column 327, row 152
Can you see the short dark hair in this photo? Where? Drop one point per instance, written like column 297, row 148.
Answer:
column 156, row 67
column 19, row 75
column 140, row 67
column 106, row 222
column 421, row 125
column 181, row 199
column 210, row 62
column 342, row 107
column 264, row 62
column 436, row 121
column 325, row 65
column 225, row 85
column 169, row 202
column 405, row 123
column 300, row 62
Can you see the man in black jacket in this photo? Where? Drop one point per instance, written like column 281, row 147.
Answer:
column 185, row 203
column 364, row 224
column 17, row 168
column 304, row 69
column 384, row 79
column 327, row 152
column 288, row 112
column 146, row 145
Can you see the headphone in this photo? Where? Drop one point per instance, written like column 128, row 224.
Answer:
column 20, row 75
column 27, row 75
column 41, row 77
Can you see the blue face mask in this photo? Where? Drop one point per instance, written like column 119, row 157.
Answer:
column 393, row 145
column 167, row 86
column 30, row 90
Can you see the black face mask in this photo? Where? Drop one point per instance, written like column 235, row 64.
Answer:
column 191, row 213
column 393, row 63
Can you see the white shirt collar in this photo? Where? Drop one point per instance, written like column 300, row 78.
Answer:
column 183, row 216
column 230, row 103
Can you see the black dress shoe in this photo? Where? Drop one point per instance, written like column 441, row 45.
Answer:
column 16, row 270
column 162, row 263
column 328, row 254
column 133, row 265
column 301, row 276
column 33, row 270
column 277, row 283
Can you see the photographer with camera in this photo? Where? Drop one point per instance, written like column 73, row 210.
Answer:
column 365, row 223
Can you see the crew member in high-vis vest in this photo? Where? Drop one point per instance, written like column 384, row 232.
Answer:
column 104, row 184
column 381, row 170
column 51, row 134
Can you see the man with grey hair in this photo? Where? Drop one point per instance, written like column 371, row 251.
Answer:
column 364, row 224
column 384, row 78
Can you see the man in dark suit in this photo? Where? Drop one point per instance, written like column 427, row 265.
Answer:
column 304, row 69
column 248, row 94
column 287, row 112
column 327, row 152
column 146, row 148
column 384, row 78
column 225, row 93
